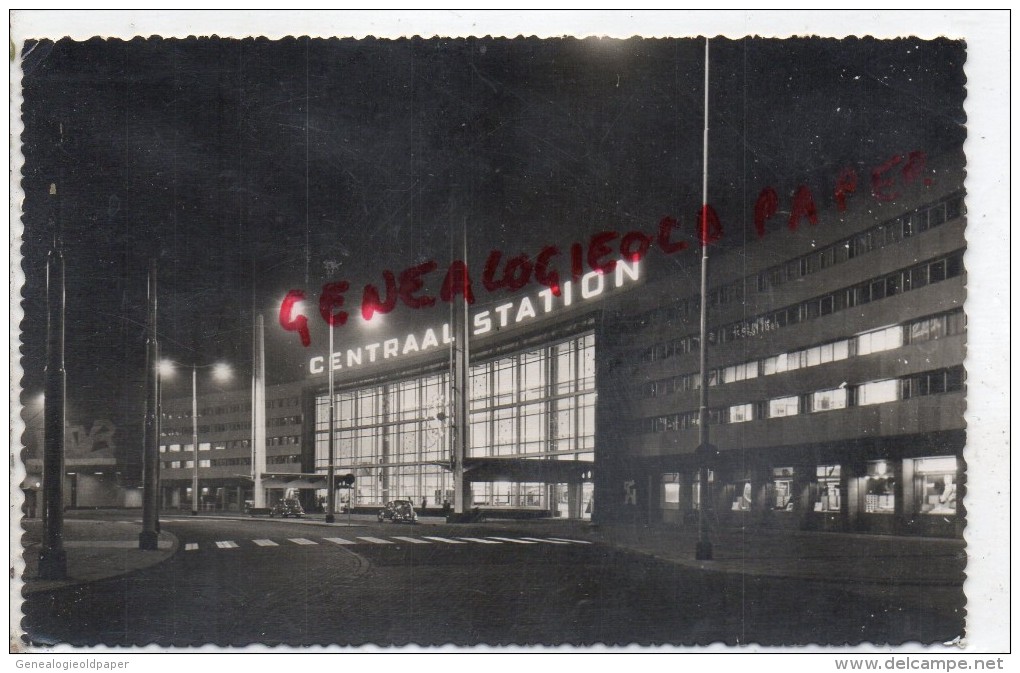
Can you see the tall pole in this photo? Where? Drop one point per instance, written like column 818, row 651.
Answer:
column 194, row 439
column 462, row 358
column 148, row 539
column 331, row 443
column 258, row 439
column 52, row 557
column 704, row 450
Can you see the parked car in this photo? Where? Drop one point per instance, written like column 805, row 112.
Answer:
column 398, row 511
column 288, row 507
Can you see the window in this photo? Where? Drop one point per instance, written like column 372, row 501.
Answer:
column 828, row 498
column 783, row 406
column 740, row 413
column 877, row 392
column 880, row 340
column 935, row 486
column 879, row 488
column 782, row 489
column 671, row 490
column 827, row 400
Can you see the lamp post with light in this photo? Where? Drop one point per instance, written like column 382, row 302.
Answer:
column 221, row 372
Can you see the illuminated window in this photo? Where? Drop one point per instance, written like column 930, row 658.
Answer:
column 880, row 488
column 782, row 489
column 880, row 340
column 741, row 413
column 935, row 486
column 878, row 392
column 827, row 400
column 783, row 406
column 828, row 497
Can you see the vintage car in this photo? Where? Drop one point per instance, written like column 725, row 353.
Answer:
column 398, row 511
column 288, row 507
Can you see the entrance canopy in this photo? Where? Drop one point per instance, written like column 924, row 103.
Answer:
column 298, row 480
column 527, row 470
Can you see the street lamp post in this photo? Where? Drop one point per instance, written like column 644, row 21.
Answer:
column 705, row 451
column 331, row 443
column 220, row 372
column 194, row 439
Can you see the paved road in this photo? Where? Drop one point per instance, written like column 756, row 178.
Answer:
column 237, row 582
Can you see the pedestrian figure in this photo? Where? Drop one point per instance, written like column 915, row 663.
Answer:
column 424, row 501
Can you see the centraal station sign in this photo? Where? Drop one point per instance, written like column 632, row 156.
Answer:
column 590, row 286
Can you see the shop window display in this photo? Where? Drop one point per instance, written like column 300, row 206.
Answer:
column 829, row 499
column 880, row 488
column 782, row 487
column 935, row 486
column 671, row 490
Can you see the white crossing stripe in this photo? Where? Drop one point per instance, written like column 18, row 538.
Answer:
column 510, row 539
column 338, row 540
column 412, row 540
column 265, row 543
column 480, row 540
column 226, row 544
column 550, row 540
column 563, row 539
column 375, row 540
column 191, row 546
column 442, row 539
column 301, row 540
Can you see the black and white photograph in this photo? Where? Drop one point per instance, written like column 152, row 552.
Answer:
column 502, row 342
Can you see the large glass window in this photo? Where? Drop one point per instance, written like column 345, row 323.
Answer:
column 827, row 400
column 740, row 413
column 782, row 488
column 783, row 406
column 671, row 490
column 828, row 498
column 395, row 437
column 880, row 488
column 880, row 340
column 935, row 486
column 878, row 392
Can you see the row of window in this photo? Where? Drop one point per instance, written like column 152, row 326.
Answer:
column 282, row 460
column 923, row 486
column 887, row 233
column 904, row 280
column 203, row 429
column 283, row 420
column 219, row 445
column 873, row 392
column 917, row 331
column 281, row 403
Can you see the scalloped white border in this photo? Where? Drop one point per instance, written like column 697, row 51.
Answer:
column 988, row 300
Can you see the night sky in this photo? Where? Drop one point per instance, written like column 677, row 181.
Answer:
column 247, row 168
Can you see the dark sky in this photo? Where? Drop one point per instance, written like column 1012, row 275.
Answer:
column 251, row 167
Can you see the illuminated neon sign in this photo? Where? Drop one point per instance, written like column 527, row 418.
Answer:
column 591, row 285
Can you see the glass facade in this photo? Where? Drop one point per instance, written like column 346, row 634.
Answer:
column 395, row 437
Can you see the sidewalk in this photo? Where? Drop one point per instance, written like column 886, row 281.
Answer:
column 95, row 549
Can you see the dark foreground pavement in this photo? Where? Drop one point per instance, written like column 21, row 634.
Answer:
column 633, row 584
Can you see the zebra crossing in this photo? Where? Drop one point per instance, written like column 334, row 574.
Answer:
column 393, row 540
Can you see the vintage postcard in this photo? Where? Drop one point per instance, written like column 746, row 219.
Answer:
column 464, row 340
